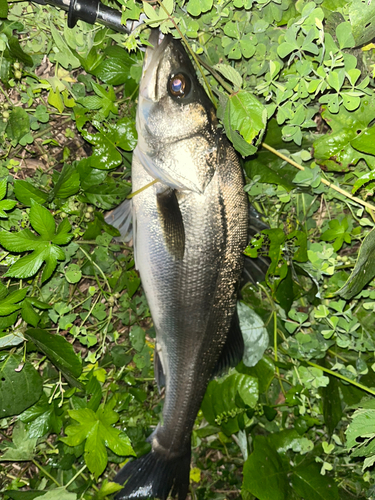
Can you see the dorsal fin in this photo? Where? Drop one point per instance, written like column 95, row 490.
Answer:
column 172, row 223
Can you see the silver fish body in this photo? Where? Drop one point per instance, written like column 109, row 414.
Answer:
column 189, row 232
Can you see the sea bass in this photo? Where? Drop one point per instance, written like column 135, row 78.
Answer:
column 189, row 233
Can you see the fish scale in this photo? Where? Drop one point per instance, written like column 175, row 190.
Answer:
column 190, row 230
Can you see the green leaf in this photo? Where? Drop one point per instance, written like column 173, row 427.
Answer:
column 3, row 188
column 9, row 304
column 196, row 7
column 42, row 221
column 360, row 430
column 17, row 52
column 19, row 242
column 25, row 192
column 219, row 407
column 18, row 124
column 106, row 143
column 59, row 494
column 29, row 265
column 108, row 488
column 337, row 231
column 339, row 148
column 264, row 371
column 364, row 269
column 67, row 183
column 332, row 409
column 269, row 167
column 89, row 175
column 245, row 114
column 230, row 74
column 57, row 349
column 112, row 71
column 24, row 495
column 28, row 313
column 105, row 101
column 43, row 417
column 97, row 432
column 55, row 100
column 364, row 179
column 73, row 273
column 62, row 236
column 3, row 9
column 11, row 339
column 344, row 35
column 109, row 195
column 254, row 334
column 365, row 141
column 20, row 386
column 137, row 337
column 362, row 21
column 263, row 474
column 22, row 447
column 6, row 205
column 307, row 481
column 63, row 55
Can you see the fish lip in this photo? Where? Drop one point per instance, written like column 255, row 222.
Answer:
column 151, row 64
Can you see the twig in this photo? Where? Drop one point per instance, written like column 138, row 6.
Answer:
column 324, row 181
column 342, row 377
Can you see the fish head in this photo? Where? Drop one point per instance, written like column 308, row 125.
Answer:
column 176, row 120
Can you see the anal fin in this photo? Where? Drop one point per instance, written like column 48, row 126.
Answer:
column 172, row 223
column 233, row 348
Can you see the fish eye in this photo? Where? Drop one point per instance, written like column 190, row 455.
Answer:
column 179, row 85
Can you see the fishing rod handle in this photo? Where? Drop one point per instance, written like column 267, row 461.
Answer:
column 91, row 11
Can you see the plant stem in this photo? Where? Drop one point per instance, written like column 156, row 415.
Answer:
column 46, row 473
column 342, row 377
column 96, row 265
column 75, row 476
column 324, row 181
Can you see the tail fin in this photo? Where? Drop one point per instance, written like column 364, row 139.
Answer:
column 121, row 218
column 154, row 476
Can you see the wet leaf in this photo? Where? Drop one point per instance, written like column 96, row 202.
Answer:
column 20, row 386
column 18, row 124
column 25, row 192
column 341, row 147
column 254, row 334
column 362, row 21
column 264, row 473
column 364, row 269
column 57, row 349
column 219, row 407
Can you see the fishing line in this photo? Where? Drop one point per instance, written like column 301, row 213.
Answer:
column 143, row 188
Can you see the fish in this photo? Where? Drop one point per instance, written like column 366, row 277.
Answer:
column 189, row 230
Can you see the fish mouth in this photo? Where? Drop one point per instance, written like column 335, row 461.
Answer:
column 151, row 63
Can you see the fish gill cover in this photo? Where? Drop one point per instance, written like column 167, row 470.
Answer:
column 293, row 86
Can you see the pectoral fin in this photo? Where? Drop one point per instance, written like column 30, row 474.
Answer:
column 172, row 223
column 158, row 370
column 121, row 219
